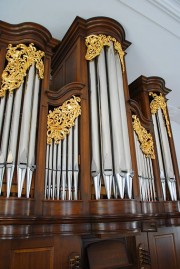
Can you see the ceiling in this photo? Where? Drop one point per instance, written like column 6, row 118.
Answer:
column 152, row 26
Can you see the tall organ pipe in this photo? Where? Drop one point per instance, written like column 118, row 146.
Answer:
column 54, row 170
column 46, row 172
column 95, row 163
column 32, row 139
column 125, row 126
column 167, row 157
column 159, row 154
column 11, row 157
column 2, row 167
column 69, row 164
column 106, row 152
column 2, row 105
column 139, row 165
column 76, row 165
column 50, row 166
column 58, row 169
column 116, row 121
column 5, row 136
column 64, row 167
column 25, row 129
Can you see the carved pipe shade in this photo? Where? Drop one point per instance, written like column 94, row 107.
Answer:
column 159, row 102
column 95, row 43
column 20, row 58
column 144, row 138
column 61, row 119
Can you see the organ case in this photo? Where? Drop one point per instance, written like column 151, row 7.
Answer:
column 84, row 162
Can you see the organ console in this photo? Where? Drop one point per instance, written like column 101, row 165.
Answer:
column 88, row 171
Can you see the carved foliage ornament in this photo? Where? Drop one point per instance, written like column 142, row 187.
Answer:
column 20, row 58
column 159, row 102
column 144, row 138
column 95, row 44
column 61, row 119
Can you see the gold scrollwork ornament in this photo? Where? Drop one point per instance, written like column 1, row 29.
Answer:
column 95, row 44
column 144, row 138
column 20, row 58
column 159, row 102
column 61, row 119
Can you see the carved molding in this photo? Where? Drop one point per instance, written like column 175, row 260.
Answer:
column 20, row 58
column 145, row 138
column 95, row 44
column 159, row 102
column 61, row 119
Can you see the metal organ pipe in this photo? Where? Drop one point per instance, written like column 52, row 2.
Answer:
column 58, row 170
column 50, row 165
column 167, row 156
column 2, row 106
column 54, row 171
column 95, row 163
column 76, row 163
column 46, row 172
column 69, row 162
column 64, row 165
column 116, row 121
column 13, row 138
column 129, row 173
column 32, row 139
column 139, row 165
column 5, row 136
column 159, row 155
column 2, row 166
column 106, row 150
column 25, row 129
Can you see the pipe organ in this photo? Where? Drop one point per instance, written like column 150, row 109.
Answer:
column 86, row 160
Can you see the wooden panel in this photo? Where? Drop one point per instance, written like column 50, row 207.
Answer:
column 164, row 248
column 63, row 208
column 152, row 207
column 32, row 258
column 165, row 251
column 67, row 72
column 113, row 207
column 5, row 253
column 71, row 65
column 69, row 245
column 46, row 252
column 13, row 206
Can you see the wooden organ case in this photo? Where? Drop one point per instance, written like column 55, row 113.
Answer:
column 88, row 171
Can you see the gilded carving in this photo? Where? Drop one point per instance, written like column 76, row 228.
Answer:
column 20, row 58
column 61, row 119
column 159, row 102
column 95, row 44
column 145, row 138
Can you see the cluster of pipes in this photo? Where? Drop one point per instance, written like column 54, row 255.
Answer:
column 111, row 159
column 164, row 156
column 18, row 133
column 145, row 173
column 62, row 168
column 111, row 165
